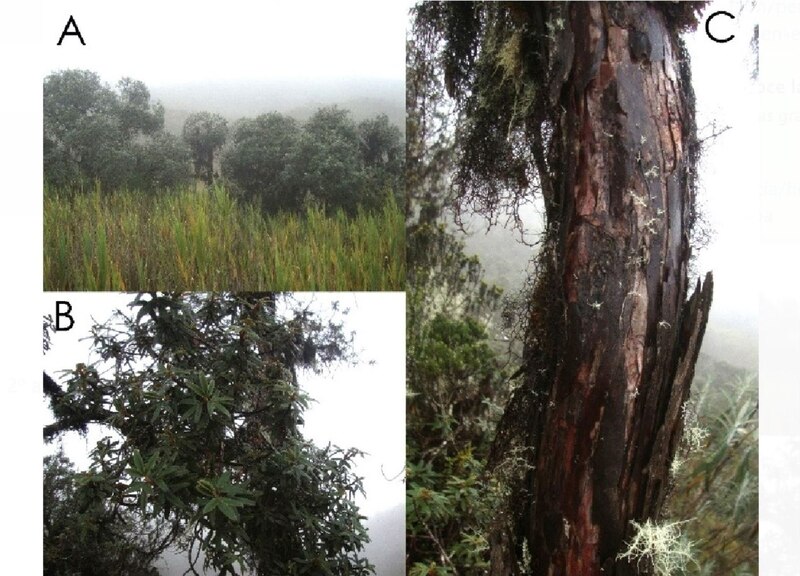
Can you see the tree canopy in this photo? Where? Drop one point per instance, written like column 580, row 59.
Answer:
column 328, row 160
column 205, row 133
column 115, row 136
column 85, row 536
column 257, row 161
column 94, row 133
column 200, row 397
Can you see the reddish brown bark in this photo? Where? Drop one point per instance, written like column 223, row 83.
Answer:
column 613, row 340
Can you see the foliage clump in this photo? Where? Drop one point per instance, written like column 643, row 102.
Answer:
column 453, row 377
column 496, row 70
column 84, row 536
column 205, row 133
column 93, row 132
column 329, row 160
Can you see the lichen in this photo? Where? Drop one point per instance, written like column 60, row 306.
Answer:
column 660, row 546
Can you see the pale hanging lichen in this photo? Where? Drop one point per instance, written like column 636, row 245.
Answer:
column 661, row 546
column 693, row 440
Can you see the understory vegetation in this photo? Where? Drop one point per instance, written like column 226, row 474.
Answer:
column 208, row 240
column 458, row 384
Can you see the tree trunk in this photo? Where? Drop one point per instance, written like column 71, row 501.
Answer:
column 208, row 166
column 612, row 340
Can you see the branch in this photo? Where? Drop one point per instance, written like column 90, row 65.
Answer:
column 699, row 142
column 51, row 388
column 444, row 555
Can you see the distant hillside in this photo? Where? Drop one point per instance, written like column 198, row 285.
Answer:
column 300, row 99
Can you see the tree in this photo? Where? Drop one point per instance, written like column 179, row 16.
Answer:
column 89, row 129
column 83, row 534
column 589, row 107
column 383, row 155
column 380, row 142
column 257, row 160
column 205, row 134
column 160, row 162
column 329, row 160
column 202, row 394
column 327, row 166
column 134, row 111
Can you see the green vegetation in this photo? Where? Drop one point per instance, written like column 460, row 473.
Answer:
column 305, row 206
column 456, row 382
column 716, row 478
column 455, row 393
column 207, row 240
column 205, row 134
column 199, row 398
column 454, row 377
column 93, row 132
column 74, row 542
column 280, row 165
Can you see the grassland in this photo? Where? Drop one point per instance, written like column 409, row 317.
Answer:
column 205, row 240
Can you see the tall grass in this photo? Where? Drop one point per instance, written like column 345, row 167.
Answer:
column 716, row 485
column 205, row 240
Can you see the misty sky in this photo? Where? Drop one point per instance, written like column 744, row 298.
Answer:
column 179, row 42
column 729, row 174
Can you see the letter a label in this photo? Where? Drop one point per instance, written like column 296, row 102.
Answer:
column 73, row 32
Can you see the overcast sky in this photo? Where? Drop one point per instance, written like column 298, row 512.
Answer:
column 173, row 42
column 729, row 171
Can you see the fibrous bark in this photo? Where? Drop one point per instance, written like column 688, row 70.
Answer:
column 612, row 339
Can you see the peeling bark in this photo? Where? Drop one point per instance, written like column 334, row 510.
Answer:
column 612, row 341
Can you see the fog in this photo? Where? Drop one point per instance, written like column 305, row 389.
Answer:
column 298, row 98
column 181, row 42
